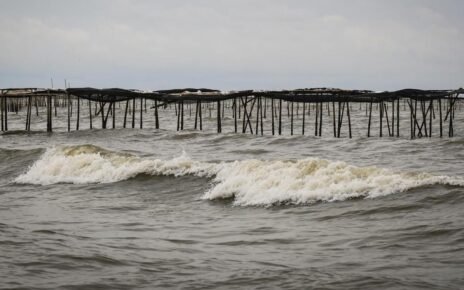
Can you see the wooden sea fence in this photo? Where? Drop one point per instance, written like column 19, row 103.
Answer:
column 250, row 110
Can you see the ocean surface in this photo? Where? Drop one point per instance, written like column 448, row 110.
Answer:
column 160, row 209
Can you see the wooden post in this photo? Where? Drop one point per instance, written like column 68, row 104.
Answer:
column 133, row 113
column 196, row 115
column 125, row 113
column 291, row 121
column 265, row 107
column 49, row 110
column 430, row 118
column 349, row 117
column 235, row 115
column 114, row 115
column 55, row 105
column 333, row 117
column 78, row 113
column 320, row 118
column 441, row 118
column 340, row 119
column 244, row 103
column 68, row 103
column 90, row 114
column 219, row 129
column 182, row 116
column 381, row 118
column 398, row 118
column 178, row 115
column 387, row 120
column 415, row 119
column 411, row 120
column 141, row 113
column 1, row 108
column 105, row 117
column 102, row 113
column 272, row 115
column 28, row 113
column 5, row 99
column 316, row 123
column 201, row 119
column 450, row 111
column 280, row 116
column 261, row 115
column 303, row 121
column 424, row 119
column 257, row 114
column 393, row 119
column 156, row 115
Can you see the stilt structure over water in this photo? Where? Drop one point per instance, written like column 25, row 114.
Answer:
column 249, row 110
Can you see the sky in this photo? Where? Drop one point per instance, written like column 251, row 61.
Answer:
column 233, row 44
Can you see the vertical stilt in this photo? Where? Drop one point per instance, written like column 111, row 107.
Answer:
column 450, row 111
column 5, row 99
column 182, row 115
column 125, row 113
column 235, row 115
column 386, row 118
column 141, row 113
column 430, row 118
column 219, row 129
column 280, row 116
column 156, row 115
column 28, row 113
column 398, row 118
column 1, row 109
column 333, row 117
column 381, row 118
column 51, row 114
column 340, row 119
column 320, row 119
column 196, row 115
column 69, row 113
column 178, row 115
column 349, row 117
column 258, row 107
column 133, row 113
column 261, row 115
column 303, row 121
column 441, row 118
column 200, row 116
column 393, row 119
column 272, row 117
column 291, row 121
column 102, row 113
column 411, row 120
column 415, row 119
column 90, row 114
column 78, row 112
column 114, row 115
column 316, row 123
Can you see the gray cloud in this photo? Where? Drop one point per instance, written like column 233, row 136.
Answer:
column 235, row 44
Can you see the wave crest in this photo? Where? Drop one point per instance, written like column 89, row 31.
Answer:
column 248, row 182
column 91, row 164
column 257, row 182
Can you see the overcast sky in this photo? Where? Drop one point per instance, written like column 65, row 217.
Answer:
column 233, row 44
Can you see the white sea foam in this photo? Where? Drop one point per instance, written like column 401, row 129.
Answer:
column 248, row 182
column 256, row 182
column 91, row 164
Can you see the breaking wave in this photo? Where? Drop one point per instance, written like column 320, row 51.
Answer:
column 83, row 164
column 248, row 182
